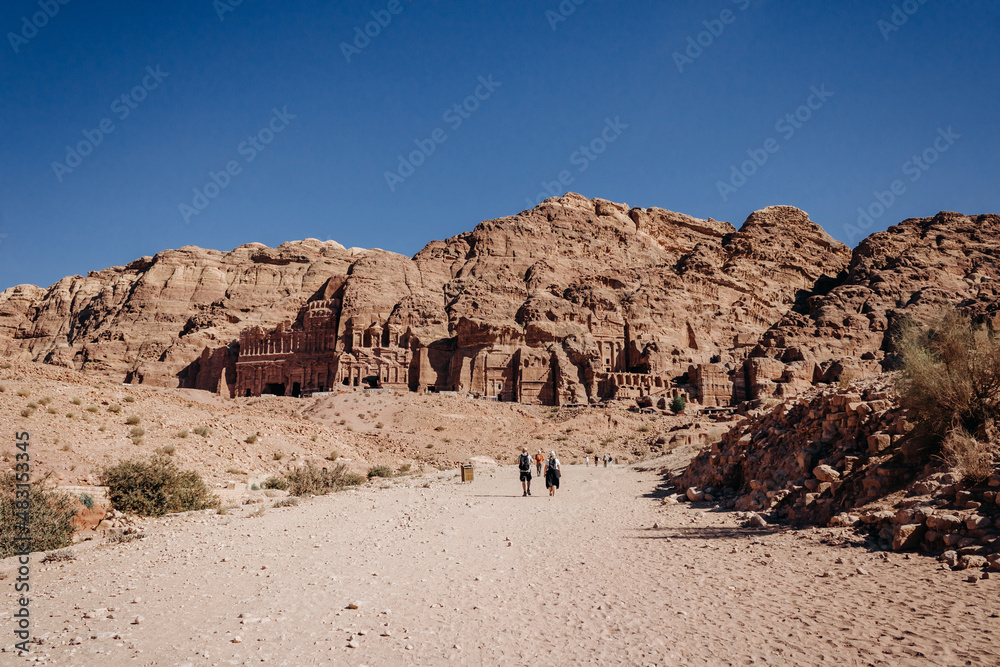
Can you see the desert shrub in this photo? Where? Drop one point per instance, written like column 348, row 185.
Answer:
column 155, row 487
column 949, row 376
column 439, row 428
column 2, row 389
column 50, row 516
column 644, row 428
column 133, row 420
column 51, row 410
column 235, row 471
column 380, row 425
column 129, row 399
column 971, row 457
column 275, row 482
column 678, row 405
column 114, row 408
column 291, row 501
column 277, row 456
column 251, row 439
column 24, row 393
column 32, row 405
column 76, row 401
column 404, row 469
column 203, row 431
column 311, row 479
column 5, row 365
column 257, row 513
column 333, row 456
column 93, row 409
column 379, row 471
column 27, row 412
column 45, row 400
column 66, row 448
column 137, row 432
column 182, row 434
column 60, row 556
column 314, row 437
column 87, row 500
column 588, row 450
column 123, row 538
column 169, row 450
column 254, row 487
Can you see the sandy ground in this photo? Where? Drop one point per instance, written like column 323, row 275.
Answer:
column 477, row 574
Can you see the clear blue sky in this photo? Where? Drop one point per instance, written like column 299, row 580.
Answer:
column 555, row 85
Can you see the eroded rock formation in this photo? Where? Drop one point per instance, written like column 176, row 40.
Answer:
column 570, row 302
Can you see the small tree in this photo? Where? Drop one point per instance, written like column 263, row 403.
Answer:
column 678, row 404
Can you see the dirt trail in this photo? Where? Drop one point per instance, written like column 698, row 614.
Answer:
column 476, row 574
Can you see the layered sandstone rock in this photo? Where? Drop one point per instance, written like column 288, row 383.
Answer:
column 574, row 300
column 913, row 269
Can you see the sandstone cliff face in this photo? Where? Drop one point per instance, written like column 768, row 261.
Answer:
column 576, row 288
column 912, row 269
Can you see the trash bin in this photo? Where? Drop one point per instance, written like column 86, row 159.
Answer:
column 467, row 472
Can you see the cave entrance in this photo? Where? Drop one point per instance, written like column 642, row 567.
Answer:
column 274, row 389
column 296, row 389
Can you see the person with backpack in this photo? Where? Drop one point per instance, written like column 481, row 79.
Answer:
column 539, row 458
column 552, row 473
column 524, row 466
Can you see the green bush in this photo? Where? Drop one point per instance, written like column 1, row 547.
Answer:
column 87, row 500
column 678, row 405
column 50, row 516
column 155, row 487
column 275, row 482
column 311, row 479
column 379, row 471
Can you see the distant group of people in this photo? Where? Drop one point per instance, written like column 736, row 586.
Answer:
column 552, row 470
column 607, row 459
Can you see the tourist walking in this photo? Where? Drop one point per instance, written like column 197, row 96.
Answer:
column 605, row 460
column 524, row 466
column 539, row 458
column 552, row 473
column 586, row 461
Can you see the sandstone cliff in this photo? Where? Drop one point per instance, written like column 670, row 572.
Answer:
column 589, row 287
column 913, row 269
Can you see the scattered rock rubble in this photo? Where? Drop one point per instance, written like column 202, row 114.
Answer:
column 848, row 457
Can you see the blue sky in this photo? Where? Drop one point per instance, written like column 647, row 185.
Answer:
column 683, row 105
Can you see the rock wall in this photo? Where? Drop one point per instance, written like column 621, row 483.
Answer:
column 582, row 287
column 910, row 270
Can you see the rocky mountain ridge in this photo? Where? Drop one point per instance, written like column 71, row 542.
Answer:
column 769, row 308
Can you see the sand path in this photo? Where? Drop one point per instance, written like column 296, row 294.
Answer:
column 476, row 574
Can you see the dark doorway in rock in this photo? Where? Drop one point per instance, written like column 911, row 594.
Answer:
column 274, row 389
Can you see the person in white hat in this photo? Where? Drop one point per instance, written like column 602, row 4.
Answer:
column 552, row 473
